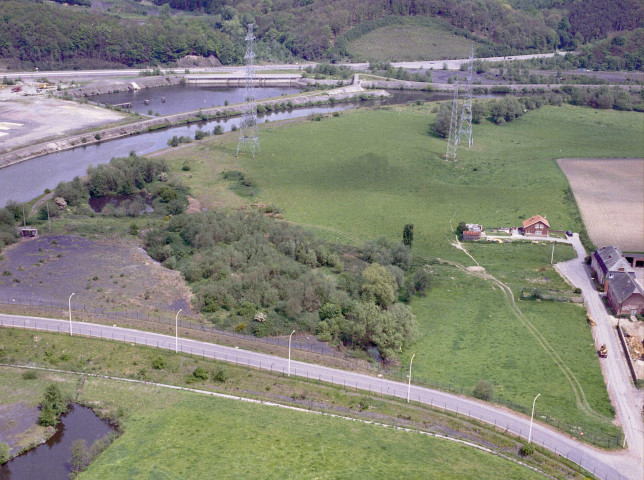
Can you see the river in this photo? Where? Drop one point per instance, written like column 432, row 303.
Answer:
column 26, row 180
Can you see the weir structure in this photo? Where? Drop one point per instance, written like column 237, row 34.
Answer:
column 248, row 130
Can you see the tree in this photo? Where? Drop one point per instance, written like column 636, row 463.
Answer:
column 408, row 234
column 379, row 285
column 443, row 120
column 462, row 227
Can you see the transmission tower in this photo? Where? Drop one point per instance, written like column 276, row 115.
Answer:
column 452, row 139
column 248, row 130
column 465, row 128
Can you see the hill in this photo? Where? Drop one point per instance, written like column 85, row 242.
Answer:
column 96, row 34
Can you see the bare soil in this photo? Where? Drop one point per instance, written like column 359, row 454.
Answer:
column 19, row 426
column 611, row 199
column 110, row 274
column 31, row 119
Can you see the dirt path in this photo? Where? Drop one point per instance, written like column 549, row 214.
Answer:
column 510, row 300
column 40, row 203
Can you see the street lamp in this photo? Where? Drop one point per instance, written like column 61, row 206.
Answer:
column 532, row 416
column 409, row 385
column 70, row 313
column 176, row 328
column 289, row 352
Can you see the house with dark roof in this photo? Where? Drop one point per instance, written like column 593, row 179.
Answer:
column 609, row 259
column 536, row 225
column 624, row 294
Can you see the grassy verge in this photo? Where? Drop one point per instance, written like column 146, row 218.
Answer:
column 178, row 431
column 367, row 173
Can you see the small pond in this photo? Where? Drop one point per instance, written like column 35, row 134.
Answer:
column 51, row 459
column 139, row 203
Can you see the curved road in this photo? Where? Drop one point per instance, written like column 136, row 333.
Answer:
column 613, row 466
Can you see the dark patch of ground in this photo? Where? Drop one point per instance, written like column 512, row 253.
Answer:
column 17, row 421
column 109, row 274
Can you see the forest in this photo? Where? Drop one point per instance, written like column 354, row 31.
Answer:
column 34, row 33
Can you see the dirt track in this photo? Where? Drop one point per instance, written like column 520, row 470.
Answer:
column 611, row 199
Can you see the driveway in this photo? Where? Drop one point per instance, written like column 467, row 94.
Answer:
column 626, row 398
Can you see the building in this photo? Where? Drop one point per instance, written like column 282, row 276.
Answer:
column 606, row 260
column 624, row 294
column 536, row 225
column 470, row 236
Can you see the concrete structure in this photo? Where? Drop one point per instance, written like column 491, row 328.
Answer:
column 624, row 294
column 536, row 225
column 606, row 260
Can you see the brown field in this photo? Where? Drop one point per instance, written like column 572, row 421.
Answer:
column 610, row 194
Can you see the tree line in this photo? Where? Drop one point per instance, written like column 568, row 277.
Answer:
column 34, row 32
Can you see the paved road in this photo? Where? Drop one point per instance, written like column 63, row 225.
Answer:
column 627, row 399
column 129, row 72
column 605, row 465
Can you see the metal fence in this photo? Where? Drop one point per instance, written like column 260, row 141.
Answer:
column 593, row 437
column 190, row 323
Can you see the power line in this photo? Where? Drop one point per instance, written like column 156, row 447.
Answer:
column 248, row 130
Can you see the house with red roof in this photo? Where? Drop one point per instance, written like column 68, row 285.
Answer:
column 536, row 225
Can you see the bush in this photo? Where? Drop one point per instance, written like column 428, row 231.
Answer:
column 220, row 375
column 483, row 390
column 200, row 373
column 29, row 375
column 527, row 449
column 159, row 363
column 219, row 130
column 97, row 136
column 4, row 453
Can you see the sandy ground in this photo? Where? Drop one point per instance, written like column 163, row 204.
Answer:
column 28, row 119
column 105, row 274
column 610, row 195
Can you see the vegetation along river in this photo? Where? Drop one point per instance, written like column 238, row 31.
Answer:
column 26, row 180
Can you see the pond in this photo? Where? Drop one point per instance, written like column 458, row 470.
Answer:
column 51, row 459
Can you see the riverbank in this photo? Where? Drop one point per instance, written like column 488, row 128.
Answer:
column 343, row 94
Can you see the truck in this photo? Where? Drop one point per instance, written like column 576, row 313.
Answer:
column 603, row 351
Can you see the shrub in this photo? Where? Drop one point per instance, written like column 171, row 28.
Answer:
column 4, row 453
column 200, row 373
column 527, row 449
column 29, row 375
column 220, row 375
column 97, row 136
column 200, row 134
column 483, row 390
column 159, row 363
column 219, row 130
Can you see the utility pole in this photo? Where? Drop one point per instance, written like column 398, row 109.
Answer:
column 465, row 128
column 452, row 139
column 248, row 130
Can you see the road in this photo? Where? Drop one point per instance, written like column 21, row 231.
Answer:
column 131, row 72
column 605, row 465
column 627, row 399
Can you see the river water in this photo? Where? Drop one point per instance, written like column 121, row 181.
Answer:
column 51, row 459
column 185, row 98
column 26, row 180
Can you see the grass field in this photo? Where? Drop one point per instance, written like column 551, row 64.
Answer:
column 178, row 434
column 409, row 42
column 367, row 173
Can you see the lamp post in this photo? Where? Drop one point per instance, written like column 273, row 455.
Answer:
column 409, row 384
column 531, row 417
column 176, row 329
column 289, row 352
column 70, row 313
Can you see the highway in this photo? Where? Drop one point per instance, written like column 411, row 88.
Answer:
column 606, row 465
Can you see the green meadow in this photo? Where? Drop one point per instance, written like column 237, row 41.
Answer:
column 367, row 173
